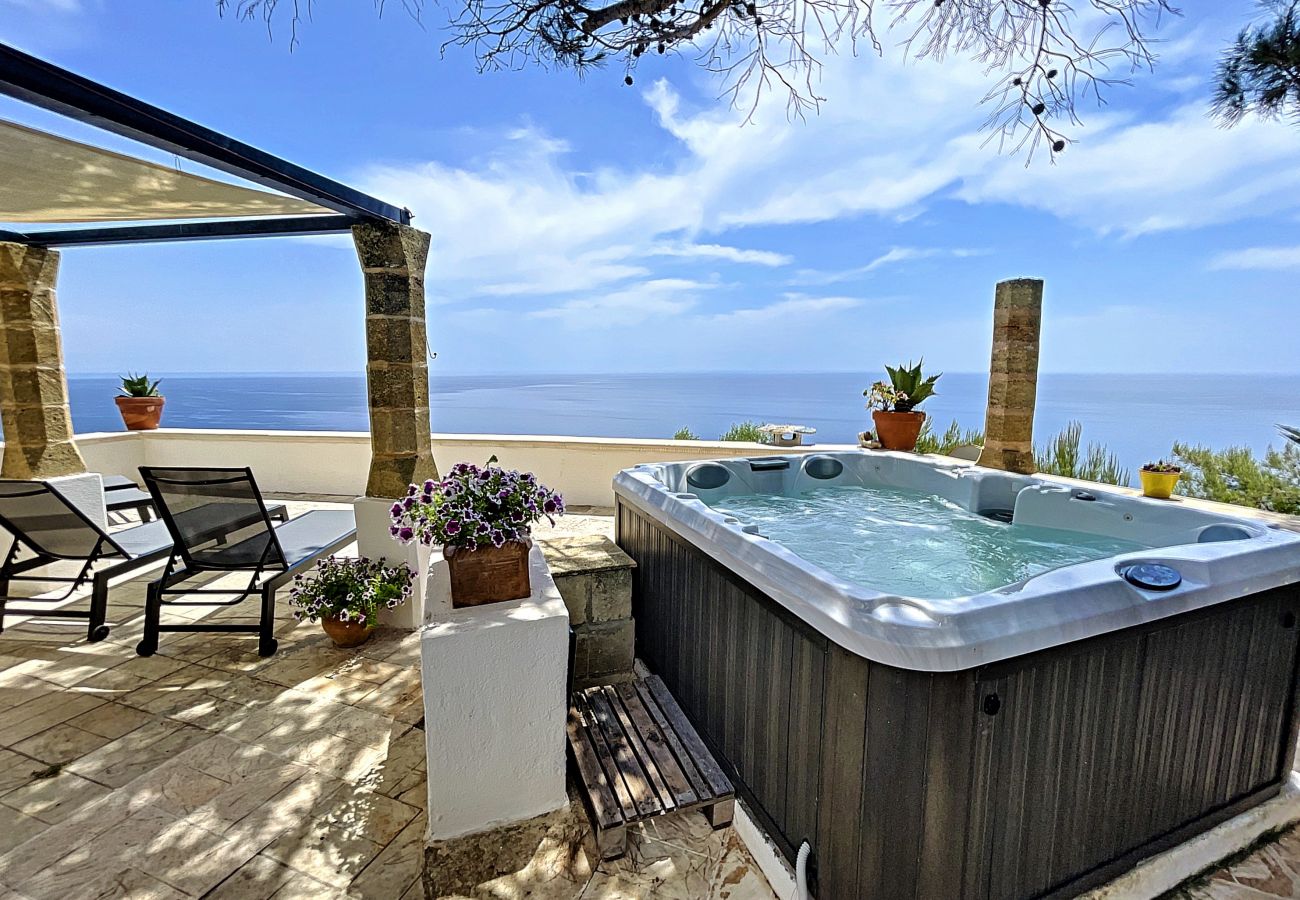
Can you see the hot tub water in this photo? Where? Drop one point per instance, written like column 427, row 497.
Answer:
column 911, row 543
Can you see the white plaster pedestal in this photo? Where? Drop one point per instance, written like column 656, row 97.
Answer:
column 494, row 706
column 375, row 542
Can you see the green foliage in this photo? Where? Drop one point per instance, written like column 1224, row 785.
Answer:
column 685, row 434
column 1063, row 456
column 744, row 431
column 139, row 386
column 1234, row 475
column 1260, row 72
column 910, row 386
column 955, row 436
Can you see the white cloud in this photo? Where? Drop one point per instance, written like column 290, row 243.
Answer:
column 791, row 306
column 890, row 257
column 1266, row 258
column 530, row 219
column 718, row 251
column 631, row 306
column 56, row 6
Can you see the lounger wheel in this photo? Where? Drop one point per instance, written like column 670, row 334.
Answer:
column 145, row 648
column 268, row 648
column 99, row 634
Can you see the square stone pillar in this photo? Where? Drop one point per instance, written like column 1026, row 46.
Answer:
column 33, row 385
column 397, row 379
column 1013, row 376
column 397, row 369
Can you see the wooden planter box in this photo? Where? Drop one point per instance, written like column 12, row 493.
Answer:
column 489, row 574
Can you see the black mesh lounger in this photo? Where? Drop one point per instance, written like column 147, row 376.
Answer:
column 219, row 523
column 48, row 528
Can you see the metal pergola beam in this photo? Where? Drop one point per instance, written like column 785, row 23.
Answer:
column 183, row 231
column 42, row 84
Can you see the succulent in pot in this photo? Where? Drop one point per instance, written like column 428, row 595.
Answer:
column 346, row 595
column 140, row 403
column 893, row 405
column 1159, row 479
column 482, row 517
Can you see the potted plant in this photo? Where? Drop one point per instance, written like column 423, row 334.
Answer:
column 482, row 517
column 1159, row 479
column 893, row 405
column 347, row 594
column 140, row 404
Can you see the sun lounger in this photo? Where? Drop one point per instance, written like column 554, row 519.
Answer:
column 219, row 523
column 48, row 528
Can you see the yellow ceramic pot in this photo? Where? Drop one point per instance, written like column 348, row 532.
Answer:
column 1159, row 485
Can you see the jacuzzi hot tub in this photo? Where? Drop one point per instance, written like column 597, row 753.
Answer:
column 956, row 682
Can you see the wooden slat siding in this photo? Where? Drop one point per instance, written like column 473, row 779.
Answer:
column 947, row 805
column 843, row 754
column 778, row 718
column 894, row 779
column 699, row 784
column 604, row 805
column 758, row 706
column 634, row 775
column 1084, row 724
column 676, row 781
column 613, row 776
column 988, row 746
column 804, row 740
column 667, row 798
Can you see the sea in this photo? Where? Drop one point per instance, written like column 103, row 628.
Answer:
column 1138, row 417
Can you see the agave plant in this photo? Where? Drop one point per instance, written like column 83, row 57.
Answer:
column 139, row 386
column 1291, row 433
column 910, row 386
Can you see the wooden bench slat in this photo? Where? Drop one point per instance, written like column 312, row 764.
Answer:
column 604, row 805
column 638, row 757
column 628, row 765
column 627, row 807
column 699, row 785
column 718, row 783
column 637, row 739
column 657, row 745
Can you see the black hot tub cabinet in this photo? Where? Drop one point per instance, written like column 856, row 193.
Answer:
column 1037, row 775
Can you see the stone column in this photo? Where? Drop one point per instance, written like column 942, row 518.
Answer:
column 33, row 385
column 397, row 370
column 397, row 378
column 1013, row 376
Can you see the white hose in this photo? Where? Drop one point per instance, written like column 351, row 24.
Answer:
column 801, row 872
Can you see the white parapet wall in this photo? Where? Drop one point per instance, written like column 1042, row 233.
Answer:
column 336, row 462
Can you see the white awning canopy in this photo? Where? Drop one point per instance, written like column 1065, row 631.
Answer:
column 48, row 179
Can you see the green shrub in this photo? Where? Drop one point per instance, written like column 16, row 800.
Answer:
column 1235, row 476
column 955, row 436
column 685, row 434
column 1062, row 456
column 744, row 431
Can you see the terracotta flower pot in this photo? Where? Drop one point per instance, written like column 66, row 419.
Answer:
column 898, row 430
column 489, row 574
column 346, row 634
column 140, row 413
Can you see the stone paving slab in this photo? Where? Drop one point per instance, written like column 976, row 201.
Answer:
column 207, row 771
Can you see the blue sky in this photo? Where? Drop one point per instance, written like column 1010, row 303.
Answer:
column 585, row 226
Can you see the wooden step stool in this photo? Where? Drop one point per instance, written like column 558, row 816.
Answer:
column 638, row 757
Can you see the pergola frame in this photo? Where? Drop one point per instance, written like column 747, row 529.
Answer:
column 33, row 394
column 42, row 84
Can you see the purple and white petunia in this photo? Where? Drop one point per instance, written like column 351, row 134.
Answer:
column 475, row 506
